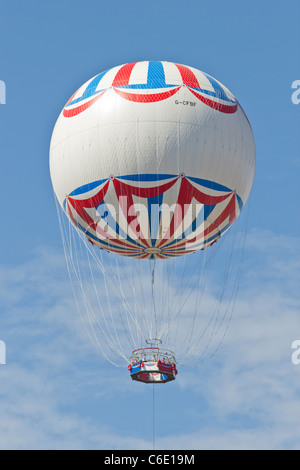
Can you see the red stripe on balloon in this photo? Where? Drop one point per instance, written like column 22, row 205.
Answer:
column 80, row 204
column 186, row 193
column 126, row 202
column 228, row 212
column 74, row 111
column 188, row 77
column 126, row 189
column 223, row 108
column 123, row 75
column 146, row 98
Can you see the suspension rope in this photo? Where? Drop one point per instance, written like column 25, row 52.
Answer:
column 179, row 307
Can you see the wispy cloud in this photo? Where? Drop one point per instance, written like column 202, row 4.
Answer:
column 252, row 387
column 56, row 391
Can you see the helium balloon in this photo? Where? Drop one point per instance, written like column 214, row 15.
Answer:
column 152, row 161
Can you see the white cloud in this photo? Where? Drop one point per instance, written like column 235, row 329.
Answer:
column 252, row 379
column 246, row 396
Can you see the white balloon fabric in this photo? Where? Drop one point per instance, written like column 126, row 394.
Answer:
column 152, row 160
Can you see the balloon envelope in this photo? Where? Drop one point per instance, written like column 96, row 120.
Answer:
column 152, row 159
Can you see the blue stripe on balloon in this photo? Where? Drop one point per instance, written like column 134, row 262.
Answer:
column 156, row 201
column 194, row 225
column 146, row 86
column 240, row 202
column 155, row 78
column 106, row 215
column 147, row 177
column 87, row 187
column 90, row 89
column 219, row 91
column 156, row 75
column 153, row 177
column 209, row 184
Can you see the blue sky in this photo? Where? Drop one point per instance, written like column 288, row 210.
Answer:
column 56, row 391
